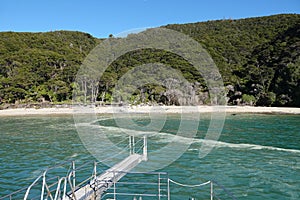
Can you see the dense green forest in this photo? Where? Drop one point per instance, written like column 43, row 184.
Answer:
column 258, row 58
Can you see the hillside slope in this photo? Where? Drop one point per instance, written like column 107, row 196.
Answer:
column 257, row 57
column 41, row 65
column 251, row 55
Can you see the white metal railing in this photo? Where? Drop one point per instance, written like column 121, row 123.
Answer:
column 67, row 186
column 162, row 185
column 34, row 183
column 151, row 187
column 70, row 179
column 58, row 190
column 191, row 186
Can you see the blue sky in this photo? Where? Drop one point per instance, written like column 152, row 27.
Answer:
column 103, row 17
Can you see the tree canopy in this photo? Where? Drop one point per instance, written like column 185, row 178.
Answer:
column 258, row 59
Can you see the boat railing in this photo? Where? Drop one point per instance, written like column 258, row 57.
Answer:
column 223, row 192
column 139, row 185
column 43, row 177
column 15, row 195
column 109, row 184
column 192, row 186
column 135, row 185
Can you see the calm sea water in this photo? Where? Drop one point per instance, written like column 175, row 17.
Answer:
column 256, row 156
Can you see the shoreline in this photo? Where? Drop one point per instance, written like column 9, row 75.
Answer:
column 149, row 109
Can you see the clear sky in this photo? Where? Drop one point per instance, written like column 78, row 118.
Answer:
column 103, row 17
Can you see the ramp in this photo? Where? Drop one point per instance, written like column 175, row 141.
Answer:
column 103, row 182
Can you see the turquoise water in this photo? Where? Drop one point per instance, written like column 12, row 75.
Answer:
column 256, row 157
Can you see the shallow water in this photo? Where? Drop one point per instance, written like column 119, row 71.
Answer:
column 256, row 156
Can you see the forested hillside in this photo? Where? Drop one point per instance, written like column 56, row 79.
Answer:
column 257, row 57
column 36, row 66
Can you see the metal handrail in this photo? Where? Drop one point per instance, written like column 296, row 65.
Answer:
column 185, row 185
column 133, row 194
column 34, row 183
column 13, row 193
column 191, row 186
column 161, row 193
column 58, row 188
column 162, row 182
column 137, row 183
column 153, row 173
column 71, row 186
column 82, row 183
column 48, row 188
column 84, row 165
column 68, row 178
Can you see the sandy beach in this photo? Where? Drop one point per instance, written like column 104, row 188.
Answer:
column 148, row 109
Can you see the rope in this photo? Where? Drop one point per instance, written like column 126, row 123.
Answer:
column 60, row 164
column 69, row 170
column 115, row 155
column 124, row 149
column 185, row 185
column 126, row 139
column 136, row 143
column 225, row 190
column 84, row 165
column 139, row 149
column 140, row 141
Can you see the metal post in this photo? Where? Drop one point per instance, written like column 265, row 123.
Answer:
column 211, row 191
column 95, row 169
column 114, row 185
column 65, row 189
column 72, row 188
column 158, row 186
column 43, row 186
column 74, row 175
column 145, row 149
column 168, row 188
column 130, row 145
column 133, row 145
column 95, row 177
